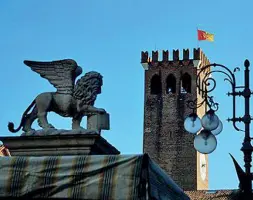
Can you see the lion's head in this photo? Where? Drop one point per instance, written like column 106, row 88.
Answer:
column 88, row 87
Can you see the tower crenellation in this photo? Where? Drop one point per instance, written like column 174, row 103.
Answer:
column 184, row 59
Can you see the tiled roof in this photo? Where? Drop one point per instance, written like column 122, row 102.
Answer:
column 213, row 194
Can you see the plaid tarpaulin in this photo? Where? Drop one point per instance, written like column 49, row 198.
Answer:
column 86, row 177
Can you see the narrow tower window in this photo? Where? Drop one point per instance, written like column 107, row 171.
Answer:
column 171, row 84
column 156, row 85
column 186, row 83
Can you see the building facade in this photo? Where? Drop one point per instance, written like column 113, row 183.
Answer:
column 169, row 84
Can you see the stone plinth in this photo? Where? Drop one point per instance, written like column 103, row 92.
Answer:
column 59, row 145
column 98, row 122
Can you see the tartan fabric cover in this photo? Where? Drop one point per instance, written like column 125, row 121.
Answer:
column 86, row 177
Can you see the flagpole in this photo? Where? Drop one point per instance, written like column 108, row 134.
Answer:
column 197, row 38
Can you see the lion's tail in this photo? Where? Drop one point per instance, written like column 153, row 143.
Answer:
column 11, row 124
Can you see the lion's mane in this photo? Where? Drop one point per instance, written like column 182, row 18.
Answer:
column 85, row 87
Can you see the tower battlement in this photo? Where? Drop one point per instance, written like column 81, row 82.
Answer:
column 185, row 59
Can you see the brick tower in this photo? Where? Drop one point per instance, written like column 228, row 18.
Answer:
column 169, row 84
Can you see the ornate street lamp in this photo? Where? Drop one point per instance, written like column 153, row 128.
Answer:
column 205, row 142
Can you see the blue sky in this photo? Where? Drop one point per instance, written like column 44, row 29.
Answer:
column 108, row 36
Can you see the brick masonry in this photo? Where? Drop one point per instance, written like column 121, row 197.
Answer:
column 165, row 139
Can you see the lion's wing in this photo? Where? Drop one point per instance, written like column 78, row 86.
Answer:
column 61, row 74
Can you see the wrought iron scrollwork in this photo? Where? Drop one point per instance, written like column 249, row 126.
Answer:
column 207, row 84
column 193, row 104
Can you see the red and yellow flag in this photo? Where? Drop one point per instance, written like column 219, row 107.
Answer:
column 203, row 35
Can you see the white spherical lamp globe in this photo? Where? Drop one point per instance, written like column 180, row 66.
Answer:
column 192, row 123
column 210, row 121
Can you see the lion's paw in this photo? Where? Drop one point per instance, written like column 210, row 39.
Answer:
column 101, row 111
column 79, row 128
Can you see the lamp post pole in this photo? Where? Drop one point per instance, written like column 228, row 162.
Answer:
column 247, row 147
column 208, row 134
column 246, row 182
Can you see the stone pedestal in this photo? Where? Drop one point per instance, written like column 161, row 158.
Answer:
column 59, row 145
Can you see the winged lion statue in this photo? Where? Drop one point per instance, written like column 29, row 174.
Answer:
column 70, row 99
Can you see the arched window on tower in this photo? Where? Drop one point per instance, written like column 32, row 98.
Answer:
column 186, row 83
column 156, row 85
column 171, row 84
